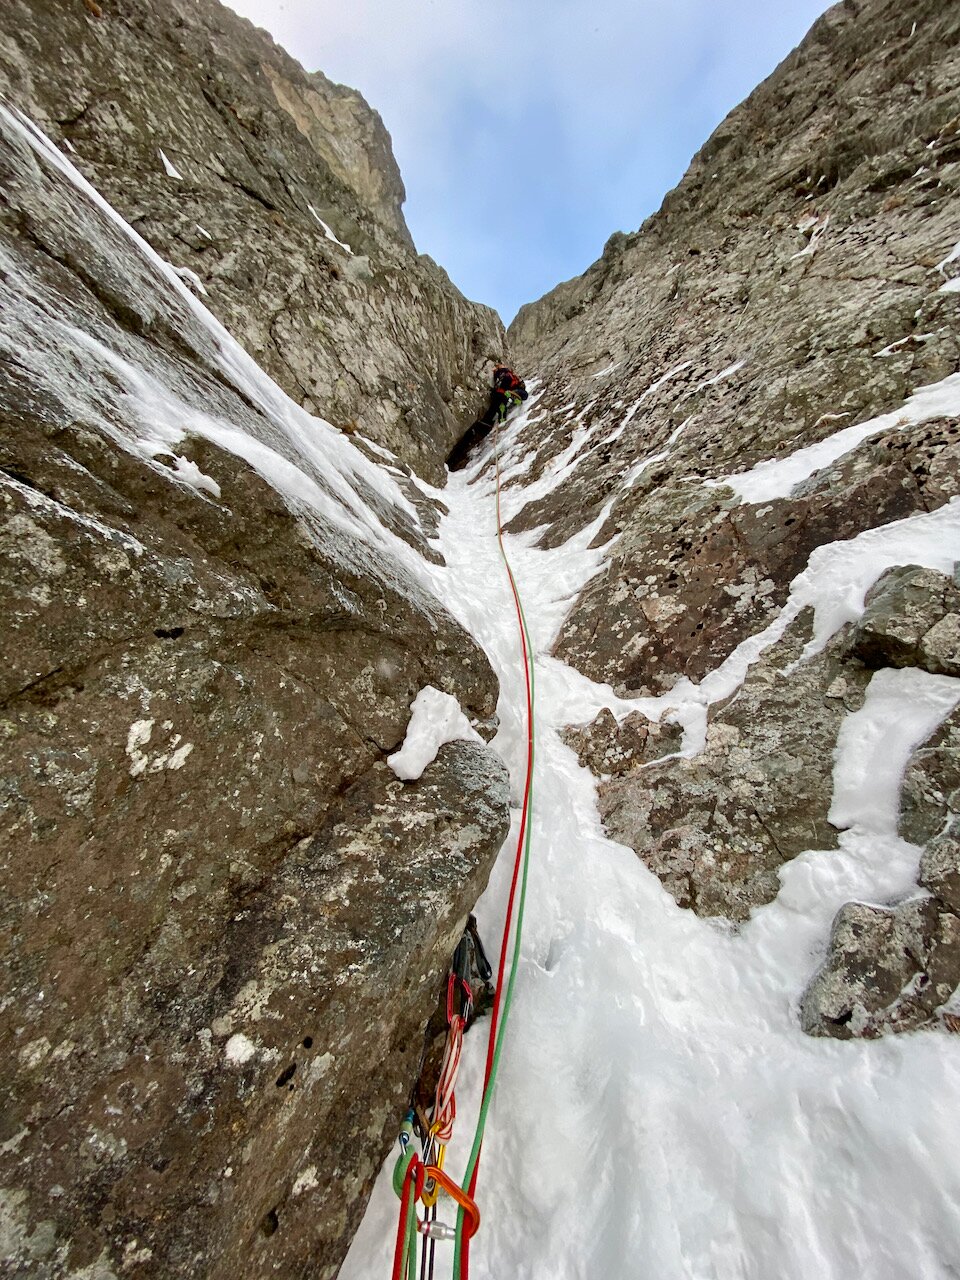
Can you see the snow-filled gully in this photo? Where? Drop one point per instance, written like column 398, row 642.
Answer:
column 659, row 1113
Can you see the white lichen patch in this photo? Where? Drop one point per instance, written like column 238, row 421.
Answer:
column 112, row 561
column 662, row 609
column 306, row 1180
column 173, row 757
column 18, row 1243
column 10, row 1146
column 318, row 1068
column 138, row 736
column 239, row 1049
column 105, row 1145
column 26, row 541
column 253, row 998
column 134, row 1254
column 32, row 1054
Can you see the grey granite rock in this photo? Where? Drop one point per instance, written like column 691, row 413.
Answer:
column 887, row 969
column 790, row 286
column 911, row 619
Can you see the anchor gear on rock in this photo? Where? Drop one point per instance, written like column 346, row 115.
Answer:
column 467, row 993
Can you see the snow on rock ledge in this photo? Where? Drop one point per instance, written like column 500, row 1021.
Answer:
column 436, row 718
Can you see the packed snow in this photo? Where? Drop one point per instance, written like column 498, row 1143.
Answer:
column 780, row 476
column 911, row 339
column 435, row 718
column 170, row 169
column 901, row 710
column 191, row 278
column 815, row 228
column 328, row 232
column 659, row 1112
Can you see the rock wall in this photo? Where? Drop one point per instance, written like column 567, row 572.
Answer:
column 799, row 280
column 225, row 921
column 266, row 159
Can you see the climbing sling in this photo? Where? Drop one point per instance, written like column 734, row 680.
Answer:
column 412, row 1176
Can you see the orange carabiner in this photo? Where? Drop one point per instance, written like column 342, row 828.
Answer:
column 456, row 1192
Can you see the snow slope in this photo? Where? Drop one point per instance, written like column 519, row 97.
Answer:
column 659, row 1112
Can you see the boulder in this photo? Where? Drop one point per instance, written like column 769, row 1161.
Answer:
column 911, row 619
column 886, row 969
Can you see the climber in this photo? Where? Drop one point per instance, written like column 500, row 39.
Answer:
column 508, row 390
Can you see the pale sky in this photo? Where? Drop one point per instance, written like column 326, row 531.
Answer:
column 527, row 132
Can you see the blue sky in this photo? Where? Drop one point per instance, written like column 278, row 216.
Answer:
column 528, row 131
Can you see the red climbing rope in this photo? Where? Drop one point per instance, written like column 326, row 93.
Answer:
column 410, row 1175
column 518, row 858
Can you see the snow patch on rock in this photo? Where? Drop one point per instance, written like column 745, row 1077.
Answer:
column 436, row 718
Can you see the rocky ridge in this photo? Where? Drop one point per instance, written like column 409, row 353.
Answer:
column 799, row 280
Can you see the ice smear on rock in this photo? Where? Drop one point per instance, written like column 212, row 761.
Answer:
column 436, row 719
column 342, row 495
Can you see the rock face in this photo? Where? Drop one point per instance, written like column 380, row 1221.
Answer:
column 911, row 619
column 716, row 828
column 225, row 920
column 267, row 158
column 888, row 970
column 695, row 383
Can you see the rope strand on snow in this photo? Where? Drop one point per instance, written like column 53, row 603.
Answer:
column 412, row 1175
column 461, row 1261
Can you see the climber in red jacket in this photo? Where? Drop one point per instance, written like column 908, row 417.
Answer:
column 508, row 391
